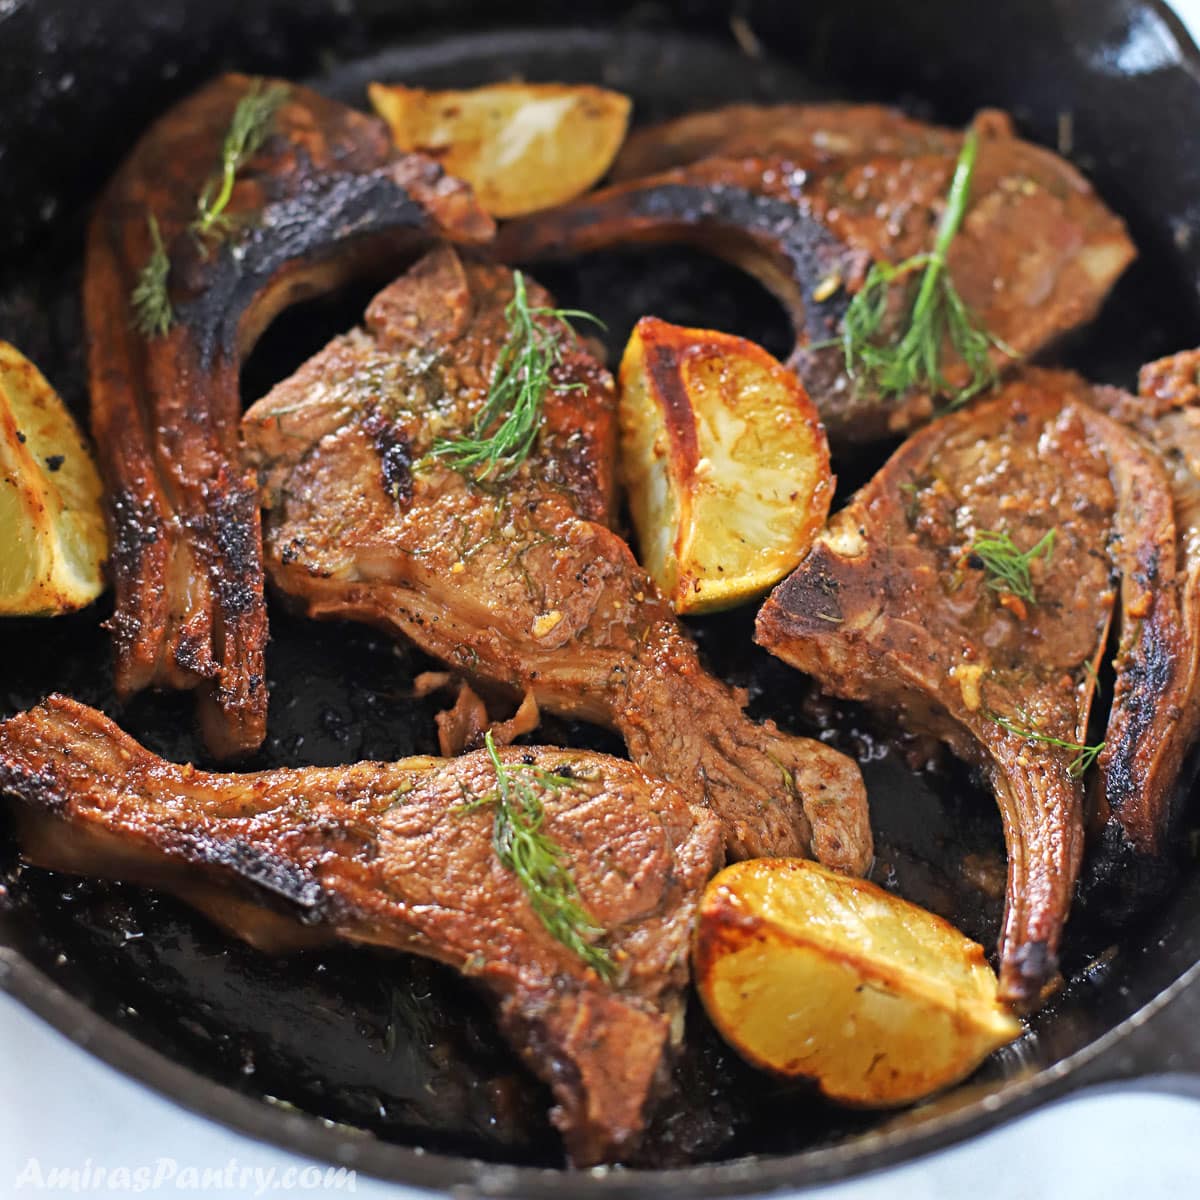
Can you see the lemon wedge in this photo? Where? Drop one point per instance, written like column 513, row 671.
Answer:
column 521, row 146
column 51, row 525
column 725, row 461
column 806, row 972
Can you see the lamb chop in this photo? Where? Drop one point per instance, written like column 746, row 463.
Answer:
column 968, row 591
column 175, row 295
column 518, row 583
column 1155, row 720
column 401, row 855
column 807, row 197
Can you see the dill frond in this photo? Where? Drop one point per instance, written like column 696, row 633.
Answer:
column 938, row 316
column 505, row 430
column 248, row 129
column 1009, row 566
column 1085, row 756
column 537, row 861
column 152, row 311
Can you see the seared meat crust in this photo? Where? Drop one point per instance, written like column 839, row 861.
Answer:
column 892, row 607
column 807, row 197
column 523, row 583
column 325, row 196
column 1155, row 719
column 386, row 854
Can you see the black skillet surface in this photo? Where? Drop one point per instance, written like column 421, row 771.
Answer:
column 389, row 1052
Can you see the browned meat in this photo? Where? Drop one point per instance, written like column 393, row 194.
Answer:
column 462, row 726
column 807, row 197
column 1155, row 718
column 522, row 584
column 826, row 132
column 392, row 854
column 894, row 606
column 325, row 196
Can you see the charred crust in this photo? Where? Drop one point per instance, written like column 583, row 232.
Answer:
column 298, row 889
column 570, row 465
column 192, row 654
column 232, row 525
column 314, row 225
column 811, row 251
column 809, row 600
column 135, row 526
column 1147, row 672
column 395, row 456
column 36, row 788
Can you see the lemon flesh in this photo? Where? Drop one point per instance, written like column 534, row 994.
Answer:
column 522, row 147
column 810, row 973
column 725, row 463
column 53, row 542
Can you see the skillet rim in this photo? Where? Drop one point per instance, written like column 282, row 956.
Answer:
column 1094, row 1064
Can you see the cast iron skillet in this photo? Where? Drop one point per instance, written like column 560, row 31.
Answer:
column 358, row 1058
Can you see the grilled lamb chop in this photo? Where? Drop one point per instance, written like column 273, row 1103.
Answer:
column 397, row 855
column 324, row 196
column 1155, row 719
column 520, row 584
column 807, row 197
column 896, row 606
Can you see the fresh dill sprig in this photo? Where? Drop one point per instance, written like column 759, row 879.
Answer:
column 152, row 311
column 506, row 428
column 1085, row 756
column 914, row 360
column 537, row 861
column 248, row 129
column 1008, row 565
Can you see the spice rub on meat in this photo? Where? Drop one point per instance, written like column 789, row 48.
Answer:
column 808, row 197
column 968, row 589
column 173, row 302
column 401, row 855
column 519, row 582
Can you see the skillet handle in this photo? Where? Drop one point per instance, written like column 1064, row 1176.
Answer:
column 1158, row 1051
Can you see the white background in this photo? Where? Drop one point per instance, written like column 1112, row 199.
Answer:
column 62, row 1107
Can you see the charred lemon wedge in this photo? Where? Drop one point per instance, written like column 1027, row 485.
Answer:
column 521, row 146
column 52, row 538
column 725, row 461
column 806, row 972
